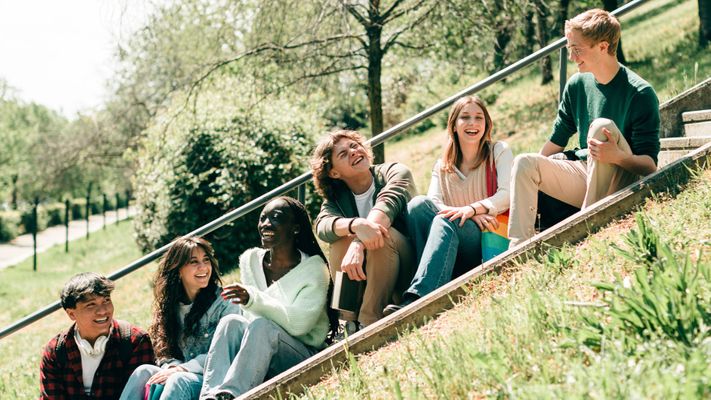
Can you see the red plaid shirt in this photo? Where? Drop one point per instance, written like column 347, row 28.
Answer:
column 62, row 379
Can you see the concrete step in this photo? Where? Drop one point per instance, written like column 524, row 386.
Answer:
column 675, row 148
column 684, row 143
column 696, row 116
column 697, row 128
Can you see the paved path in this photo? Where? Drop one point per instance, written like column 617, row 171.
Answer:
column 20, row 248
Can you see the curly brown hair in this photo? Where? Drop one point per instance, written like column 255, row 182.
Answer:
column 169, row 291
column 322, row 160
column 452, row 156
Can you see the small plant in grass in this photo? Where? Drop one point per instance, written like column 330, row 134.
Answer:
column 668, row 301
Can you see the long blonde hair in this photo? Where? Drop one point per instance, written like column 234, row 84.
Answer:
column 452, row 156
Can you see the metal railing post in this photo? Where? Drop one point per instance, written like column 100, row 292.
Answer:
column 301, row 193
column 562, row 72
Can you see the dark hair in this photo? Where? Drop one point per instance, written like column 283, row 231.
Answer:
column 81, row 286
column 305, row 241
column 169, row 291
column 321, row 162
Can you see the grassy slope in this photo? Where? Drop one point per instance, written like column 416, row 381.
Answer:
column 515, row 334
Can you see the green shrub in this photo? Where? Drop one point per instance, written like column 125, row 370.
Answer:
column 28, row 222
column 78, row 207
column 9, row 225
column 55, row 213
column 206, row 172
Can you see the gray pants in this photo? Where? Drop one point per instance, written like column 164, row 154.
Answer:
column 243, row 353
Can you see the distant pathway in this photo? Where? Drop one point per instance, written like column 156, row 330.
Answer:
column 20, row 248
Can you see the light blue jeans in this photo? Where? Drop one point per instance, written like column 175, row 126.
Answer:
column 179, row 386
column 243, row 353
column 440, row 244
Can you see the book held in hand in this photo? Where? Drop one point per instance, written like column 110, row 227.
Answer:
column 347, row 295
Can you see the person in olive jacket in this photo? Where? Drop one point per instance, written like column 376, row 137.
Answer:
column 363, row 218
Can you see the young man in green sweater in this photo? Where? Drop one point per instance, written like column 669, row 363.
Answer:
column 616, row 116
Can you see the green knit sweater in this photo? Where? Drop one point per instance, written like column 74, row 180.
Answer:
column 627, row 99
column 296, row 302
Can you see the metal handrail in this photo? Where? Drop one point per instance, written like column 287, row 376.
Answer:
column 297, row 182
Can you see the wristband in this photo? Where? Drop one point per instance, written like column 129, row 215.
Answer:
column 473, row 208
column 350, row 226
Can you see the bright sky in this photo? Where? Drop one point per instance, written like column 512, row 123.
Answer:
column 59, row 53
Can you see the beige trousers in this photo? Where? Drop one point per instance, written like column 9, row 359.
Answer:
column 577, row 183
column 388, row 272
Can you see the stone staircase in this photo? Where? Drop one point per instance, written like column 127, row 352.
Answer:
column 686, row 122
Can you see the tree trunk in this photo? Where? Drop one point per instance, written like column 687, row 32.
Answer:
column 501, row 40
column 562, row 16
column 529, row 32
column 704, row 23
column 542, row 34
column 13, row 200
column 611, row 5
column 375, row 96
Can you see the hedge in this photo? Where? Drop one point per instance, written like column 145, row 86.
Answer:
column 9, row 225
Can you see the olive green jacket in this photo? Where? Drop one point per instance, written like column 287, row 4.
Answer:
column 394, row 187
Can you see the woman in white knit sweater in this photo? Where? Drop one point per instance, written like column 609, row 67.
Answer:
column 445, row 226
column 283, row 295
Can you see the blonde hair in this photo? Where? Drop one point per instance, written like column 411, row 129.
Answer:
column 321, row 160
column 599, row 26
column 452, row 156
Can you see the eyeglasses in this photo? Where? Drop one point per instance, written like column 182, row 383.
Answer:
column 574, row 50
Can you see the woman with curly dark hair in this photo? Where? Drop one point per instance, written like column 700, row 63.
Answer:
column 283, row 294
column 186, row 310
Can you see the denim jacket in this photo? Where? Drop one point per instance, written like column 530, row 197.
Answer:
column 195, row 346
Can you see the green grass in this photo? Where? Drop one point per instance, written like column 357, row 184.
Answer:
column 105, row 251
column 663, row 53
column 547, row 329
column 55, row 266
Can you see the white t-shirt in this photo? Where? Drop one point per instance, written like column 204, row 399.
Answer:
column 90, row 357
column 364, row 201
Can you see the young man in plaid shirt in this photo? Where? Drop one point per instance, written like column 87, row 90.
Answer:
column 95, row 356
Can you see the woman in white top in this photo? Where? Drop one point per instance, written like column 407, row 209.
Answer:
column 283, row 293
column 445, row 226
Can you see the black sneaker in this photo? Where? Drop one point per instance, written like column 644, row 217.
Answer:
column 406, row 301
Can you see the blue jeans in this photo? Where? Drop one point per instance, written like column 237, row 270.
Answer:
column 440, row 244
column 180, row 385
column 243, row 353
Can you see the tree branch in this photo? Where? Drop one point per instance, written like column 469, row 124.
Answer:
column 387, row 12
column 351, row 8
column 393, row 38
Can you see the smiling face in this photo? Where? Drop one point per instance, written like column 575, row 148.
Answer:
column 349, row 159
column 583, row 52
column 470, row 125
column 277, row 226
column 93, row 316
column 195, row 275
